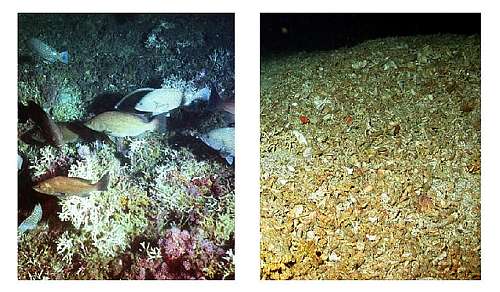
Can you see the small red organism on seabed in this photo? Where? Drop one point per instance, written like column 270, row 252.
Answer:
column 348, row 120
column 304, row 119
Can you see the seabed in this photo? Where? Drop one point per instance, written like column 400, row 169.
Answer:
column 370, row 161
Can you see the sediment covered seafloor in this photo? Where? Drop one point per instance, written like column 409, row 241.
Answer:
column 370, row 161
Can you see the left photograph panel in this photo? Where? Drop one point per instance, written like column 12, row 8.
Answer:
column 126, row 146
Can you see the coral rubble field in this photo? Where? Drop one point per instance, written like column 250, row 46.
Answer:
column 370, row 161
column 168, row 210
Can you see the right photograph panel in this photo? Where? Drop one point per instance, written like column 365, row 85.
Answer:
column 370, row 146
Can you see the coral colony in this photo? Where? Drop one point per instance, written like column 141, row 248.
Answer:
column 107, row 191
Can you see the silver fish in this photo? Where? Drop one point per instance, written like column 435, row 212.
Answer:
column 222, row 140
column 48, row 53
column 160, row 101
column 164, row 100
column 19, row 161
column 31, row 221
column 146, row 89
column 200, row 95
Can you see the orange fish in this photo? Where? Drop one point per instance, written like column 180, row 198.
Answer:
column 62, row 186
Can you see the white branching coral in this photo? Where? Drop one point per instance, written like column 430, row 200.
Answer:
column 153, row 252
column 144, row 155
column 68, row 105
column 188, row 87
column 109, row 219
column 94, row 164
column 45, row 158
column 220, row 57
column 171, row 181
column 170, row 192
column 153, row 40
column 65, row 247
column 106, row 222
column 78, row 210
column 221, row 223
column 42, row 164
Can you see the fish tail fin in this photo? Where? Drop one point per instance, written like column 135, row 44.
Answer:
column 229, row 159
column 160, row 123
column 102, row 184
column 203, row 94
column 64, row 57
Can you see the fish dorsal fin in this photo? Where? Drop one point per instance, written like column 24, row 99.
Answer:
column 132, row 93
column 83, row 180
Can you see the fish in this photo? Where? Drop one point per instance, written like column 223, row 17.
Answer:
column 202, row 95
column 133, row 93
column 68, row 135
column 76, row 131
column 19, row 162
column 222, row 140
column 160, row 101
column 164, row 100
column 72, row 132
column 31, row 221
column 48, row 53
column 63, row 186
column 122, row 124
column 49, row 129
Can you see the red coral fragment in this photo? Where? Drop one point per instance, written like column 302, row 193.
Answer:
column 304, row 120
column 348, row 120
